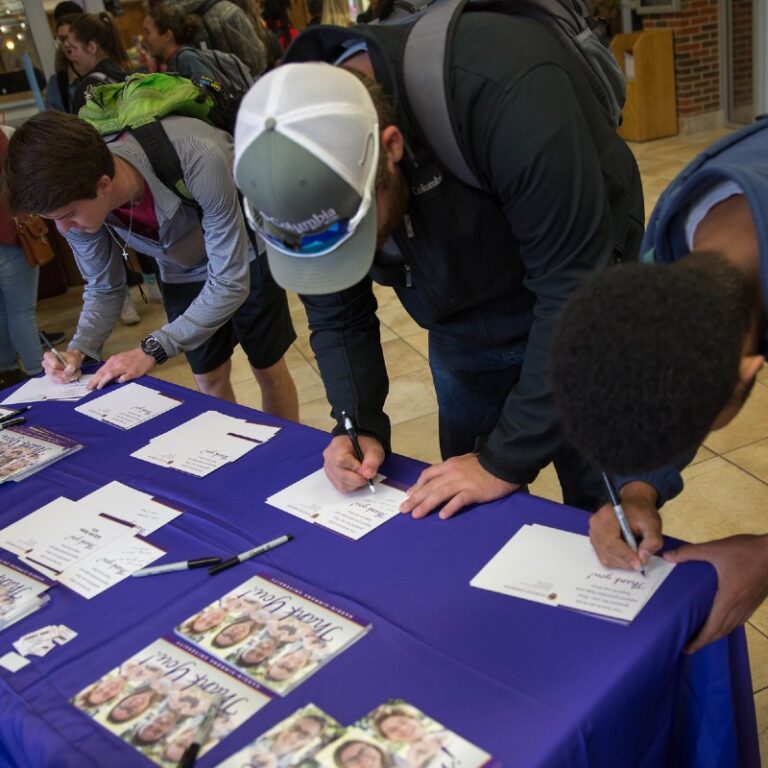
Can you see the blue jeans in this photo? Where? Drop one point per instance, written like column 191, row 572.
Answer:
column 472, row 385
column 18, row 298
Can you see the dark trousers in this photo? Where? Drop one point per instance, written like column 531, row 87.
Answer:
column 472, row 385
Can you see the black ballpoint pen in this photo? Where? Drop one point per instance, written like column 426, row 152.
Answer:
column 349, row 428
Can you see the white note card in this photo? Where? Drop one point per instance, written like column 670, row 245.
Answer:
column 132, row 506
column 128, row 406
column 559, row 568
column 42, row 388
column 315, row 500
column 109, row 565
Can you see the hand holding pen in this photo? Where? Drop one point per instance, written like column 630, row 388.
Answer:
column 351, row 431
column 626, row 532
column 58, row 367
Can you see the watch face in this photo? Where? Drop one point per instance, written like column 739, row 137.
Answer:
column 151, row 346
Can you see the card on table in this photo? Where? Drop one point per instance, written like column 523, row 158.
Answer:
column 561, row 568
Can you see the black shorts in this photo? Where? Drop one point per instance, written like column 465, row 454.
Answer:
column 262, row 324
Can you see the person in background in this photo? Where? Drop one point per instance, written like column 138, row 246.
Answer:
column 275, row 15
column 229, row 28
column 18, row 296
column 58, row 92
column 267, row 36
column 336, row 13
column 97, row 53
column 315, row 10
column 168, row 36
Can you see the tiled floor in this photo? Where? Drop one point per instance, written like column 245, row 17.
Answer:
column 727, row 486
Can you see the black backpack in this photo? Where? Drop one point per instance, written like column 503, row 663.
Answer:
column 229, row 84
column 429, row 41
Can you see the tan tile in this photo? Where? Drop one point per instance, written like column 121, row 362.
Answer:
column 758, row 657
column 397, row 319
column 719, row 500
column 547, row 485
column 753, row 458
column 317, row 413
column 759, row 619
column 401, row 358
column 419, row 341
column 748, row 427
column 702, row 455
column 418, row 438
column 761, row 710
column 411, row 395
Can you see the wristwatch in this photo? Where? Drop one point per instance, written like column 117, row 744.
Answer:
column 151, row 346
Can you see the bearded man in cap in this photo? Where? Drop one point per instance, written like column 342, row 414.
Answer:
column 348, row 191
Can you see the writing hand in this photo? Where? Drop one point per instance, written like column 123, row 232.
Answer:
column 122, row 367
column 639, row 503
column 63, row 374
column 741, row 563
column 459, row 481
column 342, row 467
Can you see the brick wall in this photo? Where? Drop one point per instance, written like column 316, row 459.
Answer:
column 697, row 54
column 741, row 45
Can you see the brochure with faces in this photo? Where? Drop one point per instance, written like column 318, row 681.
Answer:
column 557, row 567
column 273, row 632
column 25, row 450
column 18, row 587
column 394, row 734
column 156, row 700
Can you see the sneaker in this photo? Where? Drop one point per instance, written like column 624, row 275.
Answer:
column 151, row 288
column 128, row 313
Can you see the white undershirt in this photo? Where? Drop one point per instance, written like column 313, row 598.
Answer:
column 704, row 204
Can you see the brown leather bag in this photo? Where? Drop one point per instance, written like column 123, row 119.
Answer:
column 34, row 240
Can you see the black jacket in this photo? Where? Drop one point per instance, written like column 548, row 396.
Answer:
column 563, row 199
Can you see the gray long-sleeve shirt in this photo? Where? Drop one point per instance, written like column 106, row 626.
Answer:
column 216, row 250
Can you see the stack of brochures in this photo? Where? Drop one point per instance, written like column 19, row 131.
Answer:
column 394, row 734
column 25, row 450
column 21, row 593
column 263, row 638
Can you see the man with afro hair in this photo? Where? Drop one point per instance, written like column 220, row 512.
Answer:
column 648, row 358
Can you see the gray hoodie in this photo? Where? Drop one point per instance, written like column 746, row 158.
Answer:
column 216, row 249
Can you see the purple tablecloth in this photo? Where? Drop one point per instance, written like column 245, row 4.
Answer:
column 533, row 685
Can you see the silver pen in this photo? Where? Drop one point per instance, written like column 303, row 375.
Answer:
column 618, row 510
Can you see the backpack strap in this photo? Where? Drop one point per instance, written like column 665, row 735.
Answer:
column 164, row 159
column 425, row 80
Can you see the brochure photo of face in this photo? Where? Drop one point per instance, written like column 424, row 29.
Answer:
column 272, row 632
column 409, row 738
column 156, row 700
column 292, row 743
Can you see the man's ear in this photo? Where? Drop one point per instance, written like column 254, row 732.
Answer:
column 393, row 145
column 749, row 367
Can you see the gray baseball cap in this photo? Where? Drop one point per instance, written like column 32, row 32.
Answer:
column 306, row 153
